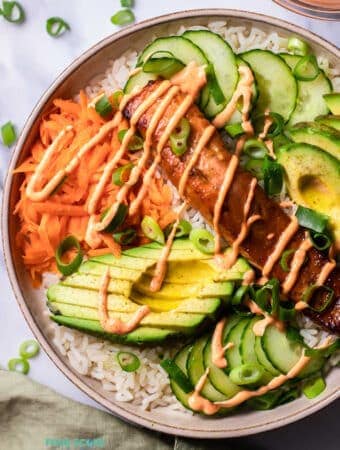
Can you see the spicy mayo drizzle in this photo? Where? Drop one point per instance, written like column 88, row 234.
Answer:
column 327, row 269
column 116, row 326
column 260, row 326
column 217, row 349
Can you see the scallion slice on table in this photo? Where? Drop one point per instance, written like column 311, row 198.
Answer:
column 123, row 17
column 67, row 244
column 103, row 106
column 311, row 219
column 234, row 129
column 56, row 26
column 310, row 293
column 246, row 374
column 272, row 176
column 203, row 240
column 313, row 388
column 19, row 365
column 125, row 237
column 13, row 12
column 175, row 373
column 135, row 143
column 152, row 230
column 297, row 46
column 128, row 361
column 321, row 241
column 179, row 137
column 8, row 134
column 306, row 69
column 255, row 148
column 121, row 175
column 118, row 218
column 29, row 349
column 127, row 3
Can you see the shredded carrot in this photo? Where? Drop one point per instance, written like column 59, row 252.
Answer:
column 44, row 224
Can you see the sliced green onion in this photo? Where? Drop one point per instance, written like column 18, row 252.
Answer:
column 152, row 230
column 121, row 175
column 13, row 12
column 118, row 218
column 280, row 141
column 311, row 219
column 123, row 17
column 65, row 245
column 103, row 106
column 214, row 87
column 324, row 352
column 321, row 241
column 255, row 148
column 135, row 143
column 239, row 295
column 234, row 129
column 310, row 292
column 266, row 401
column 272, row 176
column 128, row 361
column 56, row 26
column 255, row 166
column 297, row 46
column 183, row 229
column 8, row 134
column 29, row 349
column 268, row 298
column 164, row 67
column 293, row 334
column 246, row 374
column 306, row 69
column 203, row 240
column 176, row 374
column 116, row 98
column 179, row 137
column 286, row 311
column 127, row 3
column 313, row 388
column 125, row 237
column 275, row 128
column 19, row 365
column 284, row 259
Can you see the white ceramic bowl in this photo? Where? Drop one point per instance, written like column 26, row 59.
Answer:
column 32, row 302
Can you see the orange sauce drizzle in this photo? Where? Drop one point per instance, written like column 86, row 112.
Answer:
column 217, row 349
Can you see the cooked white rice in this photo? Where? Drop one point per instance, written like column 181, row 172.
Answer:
column 149, row 387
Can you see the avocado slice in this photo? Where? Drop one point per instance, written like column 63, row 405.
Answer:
column 185, row 322
column 188, row 253
column 313, row 180
column 208, row 306
column 139, row 336
column 119, row 273
column 333, row 102
column 124, row 261
column 93, row 282
column 316, row 134
column 330, row 121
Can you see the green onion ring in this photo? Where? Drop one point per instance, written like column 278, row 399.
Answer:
column 272, row 176
column 8, row 134
column 255, row 148
column 65, row 245
column 125, row 237
column 152, row 230
column 176, row 374
column 29, row 349
column 311, row 219
column 286, row 311
column 321, row 241
column 183, row 229
column 255, row 167
column 127, row 3
column 123, row 17
column 313, row 388
column 13, row 12
column 310, row 292
column 284, row 259
column 268, row 298
column 239, row 295
column 121, row 175
column 179, row 137
column 116, row 98
column 306, row 69
column 234, row 129
column 56, row 26
column 297, row 46
column 128, row 361
column 118, row 218
column 203, row 240
column 103, row 106
column 135, row 143
column 19, row 365
column 246, row 374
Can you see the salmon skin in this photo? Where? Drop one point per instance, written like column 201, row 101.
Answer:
column 201, row 192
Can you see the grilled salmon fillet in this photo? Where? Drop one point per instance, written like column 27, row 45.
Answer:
column 202, row 188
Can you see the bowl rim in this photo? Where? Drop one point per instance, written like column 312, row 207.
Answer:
column 118, row 409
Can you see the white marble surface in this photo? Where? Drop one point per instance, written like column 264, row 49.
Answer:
column 29, row 62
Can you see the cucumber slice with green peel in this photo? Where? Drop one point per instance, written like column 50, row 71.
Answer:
column 233, row 355
column 181, row 360
column 218, row 377
column 218, row 52
column 195, row 370
column 273, row 77
column 263, row 359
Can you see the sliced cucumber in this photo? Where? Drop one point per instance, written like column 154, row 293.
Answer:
column 195, row 369
column 277, row 86
column 222, row 58
column 181, row 360
column 310, row 102
column 262, row 357
column 233, row 355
